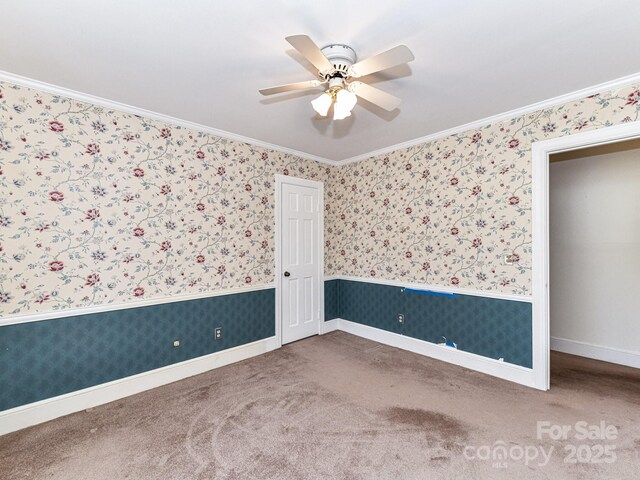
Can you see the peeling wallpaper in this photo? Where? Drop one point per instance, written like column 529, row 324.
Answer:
column 102, row 207
column 448, row 212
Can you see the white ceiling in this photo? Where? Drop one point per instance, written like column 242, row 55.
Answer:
column 203, row 60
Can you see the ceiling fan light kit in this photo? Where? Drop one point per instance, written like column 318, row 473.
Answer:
column 337, row 95
column 344, row 103
column 336, row 65
column 322, row 104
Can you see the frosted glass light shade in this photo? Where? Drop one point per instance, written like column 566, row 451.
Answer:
column 322, row 104
column 340, row 112
column 347, row 98
column 345, row 101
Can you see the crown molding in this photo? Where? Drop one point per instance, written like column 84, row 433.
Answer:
column 552, row 102
column 123, row 107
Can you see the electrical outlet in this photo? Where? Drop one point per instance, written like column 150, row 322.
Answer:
column 176, row 343
column 509, row 259
column 400, row 318
column 218, row 333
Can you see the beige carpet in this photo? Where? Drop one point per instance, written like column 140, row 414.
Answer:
column 342, row 407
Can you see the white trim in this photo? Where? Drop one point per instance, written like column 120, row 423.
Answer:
column 108, row 307
column 122, row 107
column 45, row 410
column 83, row 97
column 330, row 326
column 597, row 352
column 303, row 182
column 540, row 152
column 273, row 343
column 438, row 288
column 490, row 366
column 278, row 261
column 328, row 278
column 501, row 117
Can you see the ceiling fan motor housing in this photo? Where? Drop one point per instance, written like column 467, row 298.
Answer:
column 341, row 56
column 337, row 65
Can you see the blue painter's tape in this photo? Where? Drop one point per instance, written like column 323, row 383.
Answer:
column 429, row 292
column 490, row 327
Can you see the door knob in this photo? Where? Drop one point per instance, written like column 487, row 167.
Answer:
column 287, row 274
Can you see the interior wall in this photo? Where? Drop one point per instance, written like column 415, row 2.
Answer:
column 53, row 357
column 594, row 248
column 118, row 207
column 448, row 212
column 102, row 207
column 489, row 327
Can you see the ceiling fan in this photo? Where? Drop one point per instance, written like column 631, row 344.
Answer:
column 336, row 64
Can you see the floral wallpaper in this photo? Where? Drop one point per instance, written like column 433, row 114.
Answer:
column 99, row 206
column 448, row 212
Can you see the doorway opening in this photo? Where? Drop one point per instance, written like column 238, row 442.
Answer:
column 594, row 253
column 542, row 154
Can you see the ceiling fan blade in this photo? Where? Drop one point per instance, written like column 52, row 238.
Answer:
column 391, row 58
column 290, row 86
column 311, row 52
column 375, row 95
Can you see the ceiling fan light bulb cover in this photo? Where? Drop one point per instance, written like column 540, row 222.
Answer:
column 322, row 104
column 346, row 99
column 340, row 112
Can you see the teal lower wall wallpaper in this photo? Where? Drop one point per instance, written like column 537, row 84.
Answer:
column 43, row 359
column 39, row 360
column 490, row 327
column 331, row 300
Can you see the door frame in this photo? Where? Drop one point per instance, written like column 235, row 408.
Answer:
column 540, row 152
column 302, row 182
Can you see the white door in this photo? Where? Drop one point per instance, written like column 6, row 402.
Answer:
column 301, row 270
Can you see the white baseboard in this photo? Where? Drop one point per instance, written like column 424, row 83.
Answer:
column 496, row 368
column 329, row 326
column 48, row 409
column 597, row 352
column 51, row 408
column 272, row 343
